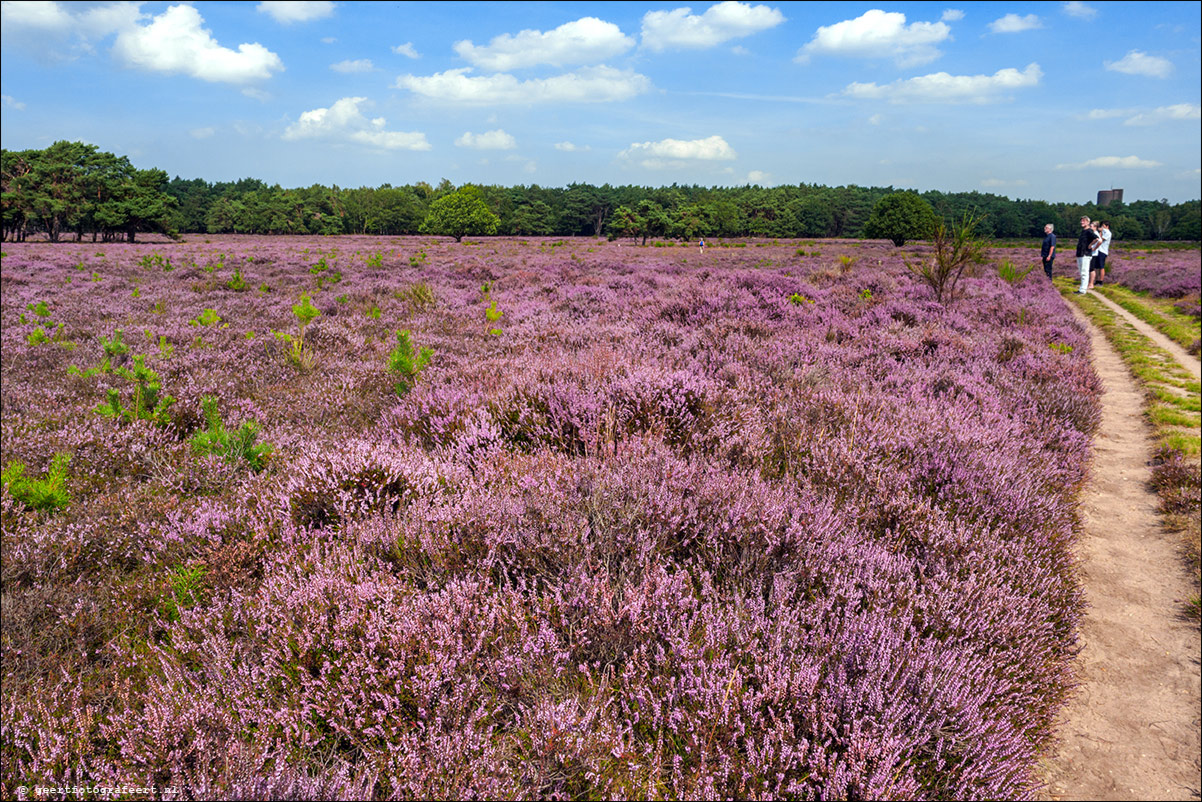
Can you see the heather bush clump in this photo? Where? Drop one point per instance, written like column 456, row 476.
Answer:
column 731, row 524
column 1167, row 275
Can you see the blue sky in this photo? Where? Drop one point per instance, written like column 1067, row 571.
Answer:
column 1029, row 100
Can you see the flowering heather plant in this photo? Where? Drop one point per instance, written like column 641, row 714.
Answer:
column 1163, row 274
column 676, row 534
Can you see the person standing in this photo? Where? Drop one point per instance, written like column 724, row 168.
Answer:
column 1048, row 249
column 1101, row 252
column 1085, row 254
column 1093, row 249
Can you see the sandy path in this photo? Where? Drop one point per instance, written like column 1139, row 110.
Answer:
column 1132, row 731
column 1188, row 362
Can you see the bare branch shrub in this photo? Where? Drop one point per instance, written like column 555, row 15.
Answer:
column 956, row 247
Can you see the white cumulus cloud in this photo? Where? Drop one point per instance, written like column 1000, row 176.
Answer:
column 1013, row 23
column 1122, row 162
column 46, row 26
column 676, row 152
column 12, row 102
column 585, row 41
column 176, row 41
column 586, row 85
column 1080, row 10
column 951, row 15
column 940, row 87
column 680, row 28
column 878, row 34
column 287, row 12
column 357, row 65
column 1136, row 62
column 569, row 147
column 47, row 16
column 489, row 140
column 407, row 50
column 1177, row 111
column 343, row 121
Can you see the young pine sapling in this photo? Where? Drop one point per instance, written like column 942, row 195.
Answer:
column 407, row 362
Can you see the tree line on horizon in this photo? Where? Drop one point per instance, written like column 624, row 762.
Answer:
column 74, row 190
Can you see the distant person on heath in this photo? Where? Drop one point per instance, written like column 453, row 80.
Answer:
column 1101, row 252
column 1085, row 254
column 1093, row 259
column 1048, row 249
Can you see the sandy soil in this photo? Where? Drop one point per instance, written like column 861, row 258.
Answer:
column 1132, row 730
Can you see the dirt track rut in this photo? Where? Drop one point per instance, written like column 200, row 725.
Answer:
column 1132, row 730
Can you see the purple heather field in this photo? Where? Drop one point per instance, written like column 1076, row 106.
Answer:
column 1163, row 274
column 643, row 522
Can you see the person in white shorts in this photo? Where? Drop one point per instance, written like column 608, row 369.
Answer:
column 1085, row 253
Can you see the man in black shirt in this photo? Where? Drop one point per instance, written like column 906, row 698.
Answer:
column 1048, row 250
column 1085, row 253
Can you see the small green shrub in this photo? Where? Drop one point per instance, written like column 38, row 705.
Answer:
column 407, row 362
column 797, row 299
column 208, row 317
column 114, row 346
column 40, row 309
column 187, row 590
column 294, row 348
column 305, row 312
column 147, row 402
column 492, row 313
column 956, row 247
column 1008, row 272
column 230, row 446
column 48, row 494
column 156, row 260
column 237, row 283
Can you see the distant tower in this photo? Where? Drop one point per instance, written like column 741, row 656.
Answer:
column 1109, row 196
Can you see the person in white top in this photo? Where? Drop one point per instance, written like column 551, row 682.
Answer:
column 1099, row 258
